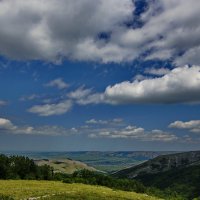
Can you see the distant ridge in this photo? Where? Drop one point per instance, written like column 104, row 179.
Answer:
column 161, row 163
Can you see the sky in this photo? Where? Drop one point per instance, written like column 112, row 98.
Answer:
column 103, row 75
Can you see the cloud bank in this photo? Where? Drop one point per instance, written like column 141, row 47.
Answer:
column 137, row 133
column 7, row 127
column 119, row 129
column 58, row 29
column 109, row 129
column 98, row 31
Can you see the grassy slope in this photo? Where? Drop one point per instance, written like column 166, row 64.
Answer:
column 64, row 165
column 25, row 189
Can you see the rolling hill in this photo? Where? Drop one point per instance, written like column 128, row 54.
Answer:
column 64, row 165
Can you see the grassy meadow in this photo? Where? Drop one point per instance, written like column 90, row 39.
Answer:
column 51, row 190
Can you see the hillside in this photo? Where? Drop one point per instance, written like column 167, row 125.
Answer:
column 60, row 191
column 161, row 163
column 185, row 181
column 64, row 165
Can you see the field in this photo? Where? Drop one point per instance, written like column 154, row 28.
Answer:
column 51, row 190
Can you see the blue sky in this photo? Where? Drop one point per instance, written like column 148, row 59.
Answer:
column 125, row 78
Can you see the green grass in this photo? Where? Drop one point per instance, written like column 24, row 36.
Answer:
column 19, row 189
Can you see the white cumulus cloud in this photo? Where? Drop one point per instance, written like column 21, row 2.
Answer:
column 192, row 126
column 180, row 85
column 6, row 124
